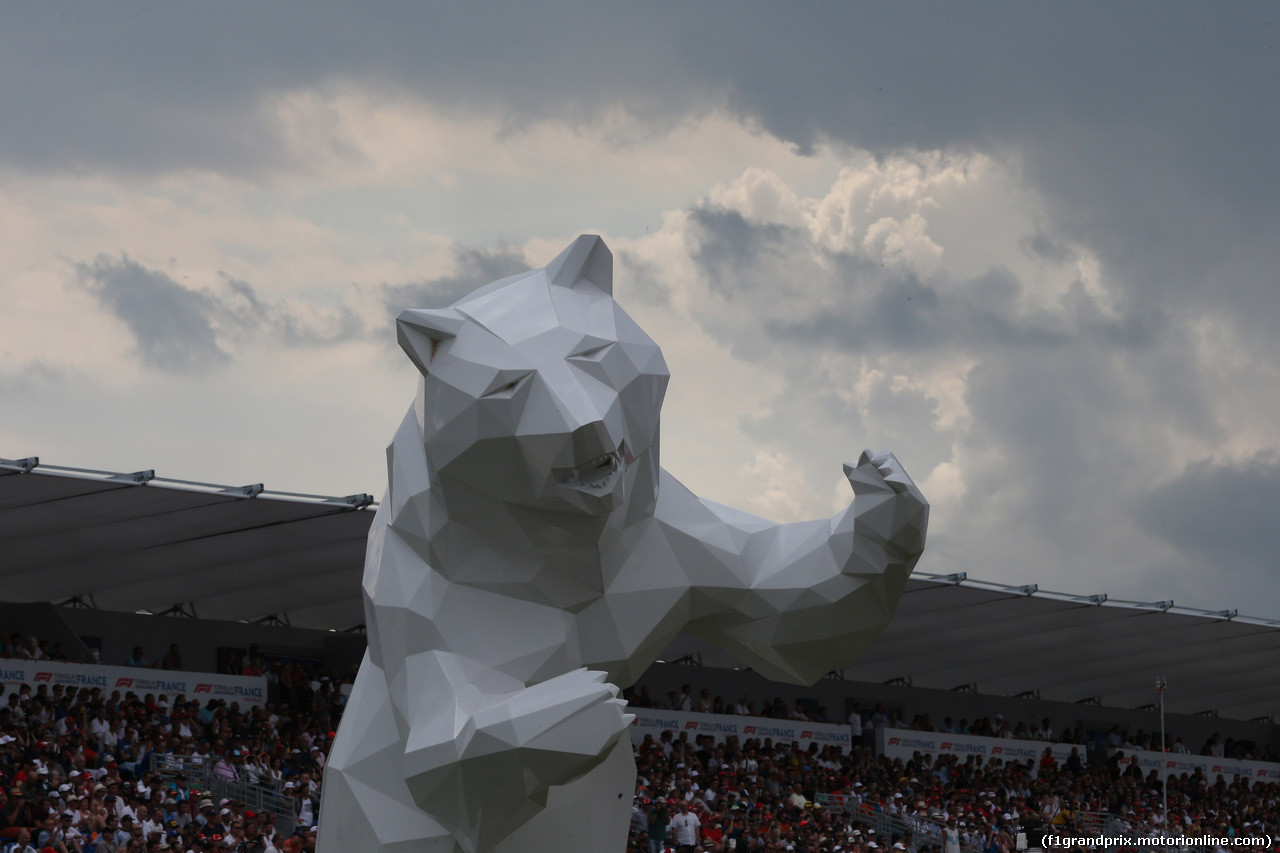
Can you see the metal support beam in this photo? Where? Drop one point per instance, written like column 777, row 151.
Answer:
column 23, row 465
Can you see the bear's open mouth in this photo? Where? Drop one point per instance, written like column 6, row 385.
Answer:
column 593, row 474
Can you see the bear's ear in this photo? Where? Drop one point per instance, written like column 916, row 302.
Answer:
column 421, row 331
column 587, row 258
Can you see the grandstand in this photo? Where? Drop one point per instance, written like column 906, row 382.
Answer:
column 95, row 560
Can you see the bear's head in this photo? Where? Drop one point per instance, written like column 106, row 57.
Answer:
column 539, row 391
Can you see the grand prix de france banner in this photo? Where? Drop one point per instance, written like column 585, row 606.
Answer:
column 201, row 686
column 650, row 721
column 1166, row 763
column 902, row 743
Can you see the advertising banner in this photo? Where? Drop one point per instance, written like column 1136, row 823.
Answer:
column 902, row 743
column 650, row 721
column 1166, row 763
column 200, row 686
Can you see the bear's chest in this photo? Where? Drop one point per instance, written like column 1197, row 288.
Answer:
column 645, row 604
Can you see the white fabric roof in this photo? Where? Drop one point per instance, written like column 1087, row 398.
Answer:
column 134, row 542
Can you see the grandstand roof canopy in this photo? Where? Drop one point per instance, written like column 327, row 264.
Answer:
column 133, row 542
column 136, row 542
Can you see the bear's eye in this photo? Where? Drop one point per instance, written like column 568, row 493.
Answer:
column 500, row 389
column 594, row 353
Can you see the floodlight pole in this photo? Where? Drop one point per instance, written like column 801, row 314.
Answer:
column 1164, row 747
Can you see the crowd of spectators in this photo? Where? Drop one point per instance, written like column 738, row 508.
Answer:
column 702, row 797
column 75, row 764
column 17, row 647
column 75, row 777
column 864, row 721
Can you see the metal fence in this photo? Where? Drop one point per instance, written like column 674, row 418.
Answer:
column 1099, row 826
column 260, row 793
column 926, row 830
column 1108, row 826
column 195, row 768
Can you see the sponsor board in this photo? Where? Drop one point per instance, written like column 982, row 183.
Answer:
column 903, row 743
column 649, row 721
column 247, row 690
column 1170, row 763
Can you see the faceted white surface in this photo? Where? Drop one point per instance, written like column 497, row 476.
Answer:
column 531, row 558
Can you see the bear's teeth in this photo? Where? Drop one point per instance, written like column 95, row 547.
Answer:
column 594, row 474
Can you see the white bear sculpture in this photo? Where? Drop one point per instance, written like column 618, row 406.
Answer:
column 531, row 557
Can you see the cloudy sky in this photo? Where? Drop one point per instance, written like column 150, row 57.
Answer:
column 1031, row 248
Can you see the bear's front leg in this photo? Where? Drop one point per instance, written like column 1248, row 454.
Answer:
column 493, row 775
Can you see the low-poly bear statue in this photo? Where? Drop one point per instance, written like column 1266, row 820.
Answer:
column 531, row 557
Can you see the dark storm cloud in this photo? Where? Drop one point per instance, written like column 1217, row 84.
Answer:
column 173, row 326
column 141, row 86
column 1076, row 400
column 736, row 255
column 1223, row 514
column 1042, row 246
column 1159, row 82
column 472, row 268
column 183, row 331
column 242, row 312
column 1150, row 127
column 875, row 308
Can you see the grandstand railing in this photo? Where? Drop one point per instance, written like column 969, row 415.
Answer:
column 194, row 767
column 258, row 792
column 926, row 830
column 1107, row 825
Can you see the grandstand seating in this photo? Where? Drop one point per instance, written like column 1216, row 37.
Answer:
column 249, row 780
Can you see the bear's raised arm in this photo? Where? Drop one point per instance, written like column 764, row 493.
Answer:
column 795, row 601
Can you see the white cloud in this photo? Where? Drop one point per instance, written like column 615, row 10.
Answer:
column 782, row 485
